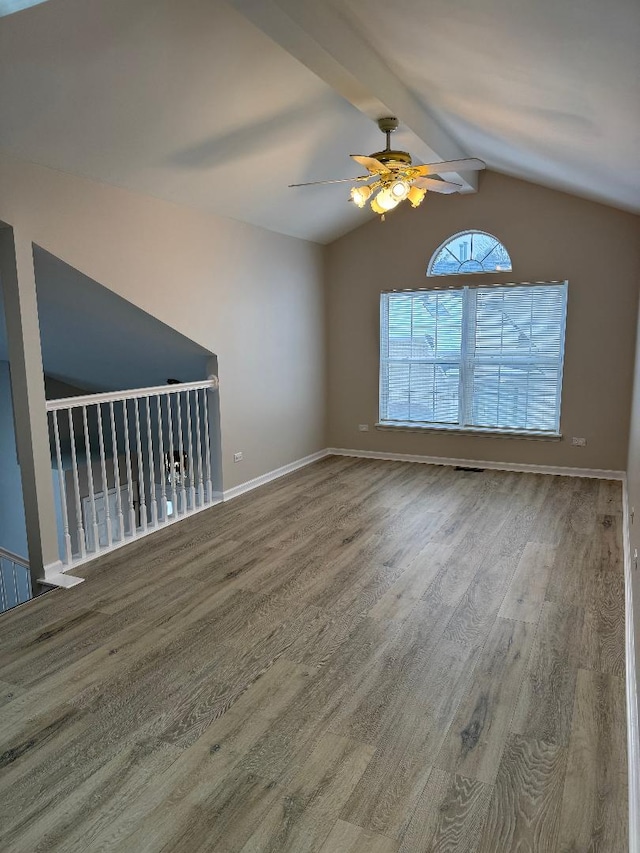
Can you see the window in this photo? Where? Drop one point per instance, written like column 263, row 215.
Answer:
column 486, row 358
column 469, row 252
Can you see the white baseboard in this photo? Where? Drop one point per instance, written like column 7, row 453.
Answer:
column 60, row 580
column 236, row 491
column 54, row 575
column 633, row 723
column 479, row 463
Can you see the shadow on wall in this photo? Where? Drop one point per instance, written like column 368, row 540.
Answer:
column 96, row 340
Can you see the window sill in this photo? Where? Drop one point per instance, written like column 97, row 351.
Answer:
column 456, row 430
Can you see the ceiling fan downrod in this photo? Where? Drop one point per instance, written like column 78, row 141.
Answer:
column 388, row 125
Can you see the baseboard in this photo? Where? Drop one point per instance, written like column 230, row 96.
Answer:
column 52, row 570
column 597, row 473
column 236, row 491
column 633, row 723
column 61, row 580
column 54, row 575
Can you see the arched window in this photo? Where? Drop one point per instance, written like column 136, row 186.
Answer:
column 469, row 252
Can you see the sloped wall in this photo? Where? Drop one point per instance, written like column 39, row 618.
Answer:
column 253, row 297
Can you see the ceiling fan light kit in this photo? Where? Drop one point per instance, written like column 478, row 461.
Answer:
column 416, row 196
column 360, row 195
column 396, row 179
column 384, row 202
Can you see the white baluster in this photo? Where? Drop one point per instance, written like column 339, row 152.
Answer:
column 207, row 444
column 199, row 444
column 63, row 491
column 183, row 491
column 141, row 488
column 152, row 475
column 192, row 485
column 133, row 527
column 3, row 591
column 116, row 472
column 103, row 471
column 180, row 434
column 82, row 547
column 92, row 495
column 161, row 459
column 172, row 466
column 15, row 583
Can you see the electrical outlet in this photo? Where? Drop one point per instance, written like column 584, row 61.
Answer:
column 363, row 427
column 238, row 457
column 578, row 442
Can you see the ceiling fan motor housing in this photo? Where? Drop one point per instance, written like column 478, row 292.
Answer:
column 388, row 124
column 400, row 158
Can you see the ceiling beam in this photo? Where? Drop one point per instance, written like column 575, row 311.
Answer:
column 323, row 40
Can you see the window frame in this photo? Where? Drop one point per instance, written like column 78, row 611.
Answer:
column 463, row 404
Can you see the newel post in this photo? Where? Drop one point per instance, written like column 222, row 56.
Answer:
column 27, row 385
column 214, row 437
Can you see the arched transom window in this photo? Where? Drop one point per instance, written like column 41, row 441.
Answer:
column 469, row 252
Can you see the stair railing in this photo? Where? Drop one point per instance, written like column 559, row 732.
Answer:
column 15, row 580
column 126, row 463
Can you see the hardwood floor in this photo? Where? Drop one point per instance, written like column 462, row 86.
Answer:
column 361, row 657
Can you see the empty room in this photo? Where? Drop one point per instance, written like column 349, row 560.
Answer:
column 319, row 426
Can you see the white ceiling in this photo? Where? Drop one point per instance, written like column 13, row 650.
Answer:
column 547, row 90
column 220, row 105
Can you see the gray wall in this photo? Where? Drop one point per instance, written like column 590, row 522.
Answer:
column 13, row 532
column 549, row 235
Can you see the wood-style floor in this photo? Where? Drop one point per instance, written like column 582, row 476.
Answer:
column 362, row 657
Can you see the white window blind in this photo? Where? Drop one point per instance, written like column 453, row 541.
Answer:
column 483, row 358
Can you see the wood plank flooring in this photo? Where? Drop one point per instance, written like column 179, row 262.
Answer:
column 361, row 657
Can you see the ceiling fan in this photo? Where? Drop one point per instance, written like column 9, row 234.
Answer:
column 395, row 178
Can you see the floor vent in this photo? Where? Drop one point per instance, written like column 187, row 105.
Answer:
column 473, row 470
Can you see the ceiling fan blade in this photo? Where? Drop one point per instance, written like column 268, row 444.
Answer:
column 471, row 164
column 370, row 163
column 339, row 181
column 436, row 186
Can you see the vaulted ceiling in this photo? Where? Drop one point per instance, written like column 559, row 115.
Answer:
column 220, row 105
